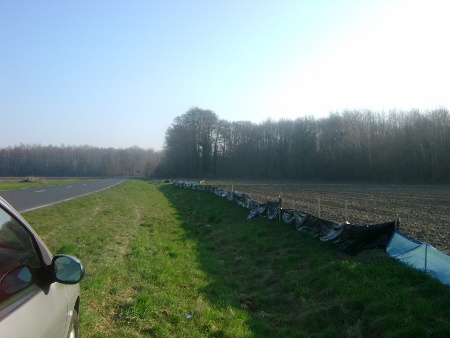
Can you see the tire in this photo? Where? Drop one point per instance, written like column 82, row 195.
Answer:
column 73, row 328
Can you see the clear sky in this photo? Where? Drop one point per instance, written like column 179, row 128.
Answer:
column 115, row 73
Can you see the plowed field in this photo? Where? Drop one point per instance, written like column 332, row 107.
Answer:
column 423, row 210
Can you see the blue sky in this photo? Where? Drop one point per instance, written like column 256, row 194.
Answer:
column 110, row 73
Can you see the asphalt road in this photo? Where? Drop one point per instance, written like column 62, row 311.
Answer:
column 33, row 198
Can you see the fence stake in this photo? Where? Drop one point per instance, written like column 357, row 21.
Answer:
column 318, row 204
column 279, row 212
column 346, row 212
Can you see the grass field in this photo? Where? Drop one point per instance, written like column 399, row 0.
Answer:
column 10, row 183
column 162, row 261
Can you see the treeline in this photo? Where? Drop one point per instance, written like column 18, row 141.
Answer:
column 76, row 161
column 398, row 146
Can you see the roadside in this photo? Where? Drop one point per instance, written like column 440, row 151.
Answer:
column 423, row 210
column 168, row 262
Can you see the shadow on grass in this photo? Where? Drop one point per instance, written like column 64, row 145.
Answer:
column 291, row 285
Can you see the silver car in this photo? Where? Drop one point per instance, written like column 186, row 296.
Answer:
column 39, row 293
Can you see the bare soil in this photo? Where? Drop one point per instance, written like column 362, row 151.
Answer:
column 423, row 210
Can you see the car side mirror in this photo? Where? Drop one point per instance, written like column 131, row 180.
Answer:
column 16, row 280
column 67, row 269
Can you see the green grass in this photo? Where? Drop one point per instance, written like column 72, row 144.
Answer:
column 163, row 261
column 10, row 184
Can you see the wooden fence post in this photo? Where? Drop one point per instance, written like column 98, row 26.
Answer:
column 280, row 201
column 318, row 204
column 346, row 211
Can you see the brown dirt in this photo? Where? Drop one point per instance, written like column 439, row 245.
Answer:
column 423, row 210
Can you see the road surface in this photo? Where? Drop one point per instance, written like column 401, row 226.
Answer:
column 33, row 198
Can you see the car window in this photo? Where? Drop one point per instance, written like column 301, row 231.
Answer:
column 18, row 260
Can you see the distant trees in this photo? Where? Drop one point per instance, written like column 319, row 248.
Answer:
column 358, row 145
column 396, row 146
column 191, row 144
column 80, row 161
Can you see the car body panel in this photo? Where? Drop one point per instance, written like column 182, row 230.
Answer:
column 49, row 307
column 44, row 308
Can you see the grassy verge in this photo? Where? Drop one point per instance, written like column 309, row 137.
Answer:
column 168, row 262
column 10, row 184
